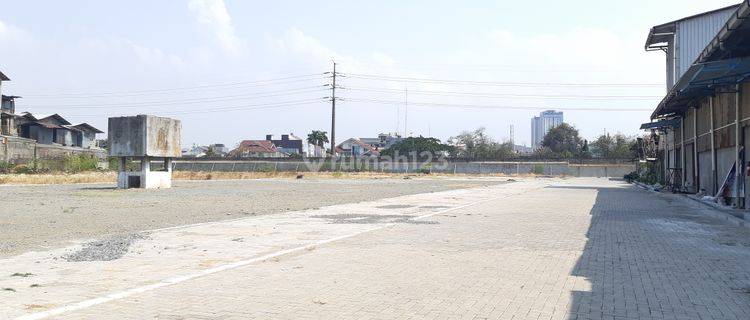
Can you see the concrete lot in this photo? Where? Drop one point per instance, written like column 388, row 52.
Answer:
column 536, row 249
column 44, row 217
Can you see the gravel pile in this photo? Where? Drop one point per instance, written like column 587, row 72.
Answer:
column 107, row 249
column 372, row 218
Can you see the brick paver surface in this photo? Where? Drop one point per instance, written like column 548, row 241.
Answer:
column 572, row 249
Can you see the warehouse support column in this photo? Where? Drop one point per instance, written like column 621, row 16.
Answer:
column 713, row 147
column 682, row 150
column 696, row 182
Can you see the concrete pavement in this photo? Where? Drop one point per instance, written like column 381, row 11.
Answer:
column 537, row 249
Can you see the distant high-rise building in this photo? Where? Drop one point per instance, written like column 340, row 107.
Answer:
column 542, row 124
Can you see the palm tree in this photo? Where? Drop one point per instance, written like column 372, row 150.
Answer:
column 317, row 139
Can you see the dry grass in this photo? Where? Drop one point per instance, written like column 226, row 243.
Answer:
column 58, row 178
column 111, row 177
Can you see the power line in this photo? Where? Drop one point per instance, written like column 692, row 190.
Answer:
column 475, row 106
column 502, row 95
column 283, row 80
column 230, row 108
column 495, row 83
column 188, row 101
column 487, row 67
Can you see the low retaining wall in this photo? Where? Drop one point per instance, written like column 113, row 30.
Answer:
column 506, row 168
column 21, row 150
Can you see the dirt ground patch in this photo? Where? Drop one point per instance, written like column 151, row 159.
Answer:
column 39, row 217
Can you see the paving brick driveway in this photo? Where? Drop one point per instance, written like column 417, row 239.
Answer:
column 566, row 249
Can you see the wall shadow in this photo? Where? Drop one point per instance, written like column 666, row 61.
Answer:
column 649, row 256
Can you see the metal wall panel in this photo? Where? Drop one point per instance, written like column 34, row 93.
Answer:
column 694, row 34
column 705, row 175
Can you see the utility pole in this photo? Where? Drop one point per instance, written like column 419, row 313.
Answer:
column 333, row 112
column 406, row 112
column 512, row 139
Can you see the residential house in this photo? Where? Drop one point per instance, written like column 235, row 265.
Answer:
column 256, row 149
column 196, row 151
column 8, row 115
column 372, row 147
column 44, row 129
column 355, row 147
column 2, row 78
column 84, row 135
column 289, row 144
column 703, row 122
column 383, row 141
column 54, row 129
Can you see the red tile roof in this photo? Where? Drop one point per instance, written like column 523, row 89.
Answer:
column 255, row 146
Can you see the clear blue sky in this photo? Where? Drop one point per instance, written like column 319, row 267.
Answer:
column 86, row 48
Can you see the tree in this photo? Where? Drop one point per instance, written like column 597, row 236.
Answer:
column 419, row 145
column 478, row 145
column 317, row 139
column 211, row 152
column 563, row 140
column 616, row 146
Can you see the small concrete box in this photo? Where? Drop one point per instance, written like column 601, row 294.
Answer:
column 144, row 138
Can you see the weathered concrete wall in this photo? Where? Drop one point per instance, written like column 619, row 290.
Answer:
column 163, row 137
column 42, row 135
column 88, row 140
column 56, row 152
column 17, row 150
column 507, row 168
column 126, row 136
column 705, row 174
column 64, row 137
column 144, row 135
column 21, row 150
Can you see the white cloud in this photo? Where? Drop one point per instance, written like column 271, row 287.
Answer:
column 10, row 32
column 213, row 15
column 313, row 51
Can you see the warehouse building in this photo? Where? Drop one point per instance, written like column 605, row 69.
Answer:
column 703, row 122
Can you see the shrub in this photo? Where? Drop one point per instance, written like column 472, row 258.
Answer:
column 538, row 169
column 24, row 169
column 425, row 169
column 633, row 176
column 5, row 167
column 81, row 162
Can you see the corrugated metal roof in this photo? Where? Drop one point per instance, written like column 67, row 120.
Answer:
column 731, row 40
column 694, row 34
column 664, row 32
column 723, row 61
column 87, row 127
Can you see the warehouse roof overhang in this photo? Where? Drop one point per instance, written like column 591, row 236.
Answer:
column 664, row 123
column 724, row 62
column 660, row 36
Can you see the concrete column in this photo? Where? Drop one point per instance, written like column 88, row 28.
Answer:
column 145, row 164
column 123, row 164
column 696, row 183
column 713, row 147
column 682, row 150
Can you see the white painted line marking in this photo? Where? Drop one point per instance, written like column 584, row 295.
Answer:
column 171, row 281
